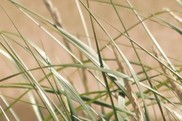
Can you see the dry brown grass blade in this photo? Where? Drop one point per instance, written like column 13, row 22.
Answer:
column 134, row 102
column 131, row 96
column 54, row 12
column 57, row 20
column 171, row 78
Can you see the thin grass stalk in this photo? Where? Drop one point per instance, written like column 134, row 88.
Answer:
column 174, row 27
column 57, row 21
column 84, row 76
column 48, row 81
column 68, row 50
column 44, row 74
column 35, row 107
column 83, row 97
column 99, row 81
column 155, row 95
column 10, row 109
column 176, row 17
column 84, row 23
column 17, row 99
column 91, row 67
column 114, row 44
column 46, row 60
column 17, row 61
column 131, row 96
column 177, row 88
column 146, row 50
column 63, row 81
column 61, row 98
column 151, row 36
column 121, row 54
column 90, row 54
column 88, row 39
column 33, row 82
column 54, row 13
column 102, row 66
column 118, row 5
column 149, row 88
column 54, row 38
column 174, row 114
column 121, row 95
column 56, row 74
column 106, row 83
column 68, row 36
column 147, row 116
column 30, row 77
column 179, row 2
column 154, row 57
column 5, row 116
column 135, row 104
column 53, row 88
column 71, row 107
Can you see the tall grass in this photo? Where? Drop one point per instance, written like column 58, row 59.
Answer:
column 103, row 72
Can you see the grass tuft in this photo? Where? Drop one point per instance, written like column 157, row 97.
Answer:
column 90, row 60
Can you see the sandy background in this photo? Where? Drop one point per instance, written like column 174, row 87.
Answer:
column 169, row 40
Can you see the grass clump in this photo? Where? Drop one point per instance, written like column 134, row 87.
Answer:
column 99, row 61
